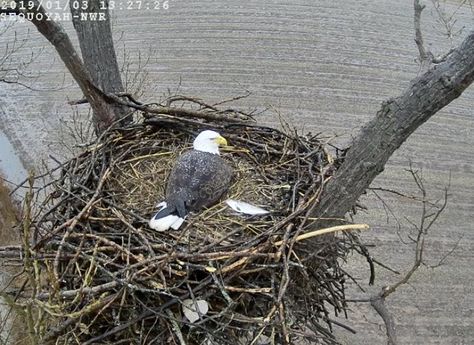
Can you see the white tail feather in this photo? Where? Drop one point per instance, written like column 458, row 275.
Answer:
column 177, row 224
column 163, row 224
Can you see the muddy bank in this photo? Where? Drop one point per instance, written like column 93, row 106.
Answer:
column 11, row 326
column 8, row 217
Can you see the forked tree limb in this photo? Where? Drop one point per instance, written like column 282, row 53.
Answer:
column 427, row 219
column 426, row 57
column 396, row 120
column 379, row 305
column 104, row 109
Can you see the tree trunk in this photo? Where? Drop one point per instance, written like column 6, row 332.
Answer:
column 104, row 107
column 396, row 120
column 97, row 47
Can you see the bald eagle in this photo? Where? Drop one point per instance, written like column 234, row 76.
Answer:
column 198, row 179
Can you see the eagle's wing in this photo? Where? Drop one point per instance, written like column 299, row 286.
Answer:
column 198, row 180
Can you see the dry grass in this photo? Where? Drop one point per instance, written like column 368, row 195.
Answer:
column 139, row 183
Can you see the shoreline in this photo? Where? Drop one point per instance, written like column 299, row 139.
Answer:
column 11, row 325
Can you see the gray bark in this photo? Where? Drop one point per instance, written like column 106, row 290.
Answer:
column 396, row 120
column 98, row 51
column 104, row 107
column 55, row 34
column 382, row 310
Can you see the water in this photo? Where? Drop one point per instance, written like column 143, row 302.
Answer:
column 11, row 167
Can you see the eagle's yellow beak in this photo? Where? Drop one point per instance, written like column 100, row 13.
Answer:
column 221, row 141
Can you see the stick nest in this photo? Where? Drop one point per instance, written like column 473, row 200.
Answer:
column 99, row 275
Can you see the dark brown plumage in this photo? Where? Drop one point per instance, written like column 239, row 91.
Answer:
column 197, row 180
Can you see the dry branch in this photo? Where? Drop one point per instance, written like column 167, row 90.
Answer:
column 430, row 212
column 206, row 111
column 321, row 232
column 104, row 110
column 426, row 57
column 397, row 119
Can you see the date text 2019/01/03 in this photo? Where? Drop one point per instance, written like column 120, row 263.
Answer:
column 57, row 5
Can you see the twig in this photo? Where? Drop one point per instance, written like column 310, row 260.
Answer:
column 426, row 56
column 56, row 331
column 327, row 231
column 213, row 115
column 426, row 221
column 84, row 291
column 176, row 327
column 378, row 303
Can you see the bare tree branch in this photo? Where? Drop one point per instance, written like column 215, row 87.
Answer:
column 448, row 21
column 426, row 221
column 396, row 120
column 102, row 106
column 207, row 112
column 378, row 303
column 426, row 56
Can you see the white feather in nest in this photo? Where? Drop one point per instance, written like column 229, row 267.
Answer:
column 193, row 309
column 245, row 207
column 171, row 221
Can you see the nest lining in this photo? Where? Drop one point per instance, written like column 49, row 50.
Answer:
column 101, row 276
column 139, row 183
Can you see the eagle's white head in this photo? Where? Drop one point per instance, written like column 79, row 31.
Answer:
column 209, row 141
